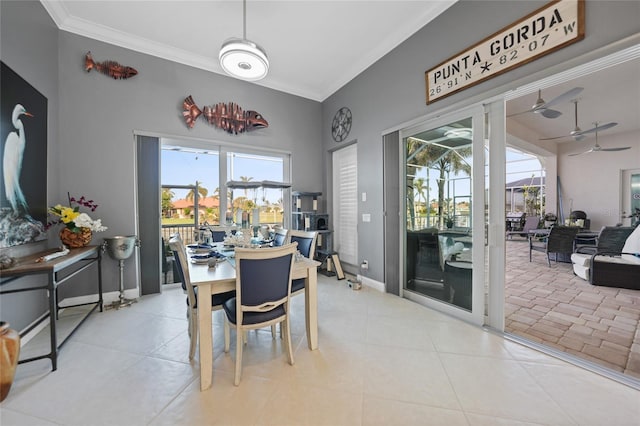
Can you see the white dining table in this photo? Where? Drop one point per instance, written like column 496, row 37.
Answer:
column 221, row 279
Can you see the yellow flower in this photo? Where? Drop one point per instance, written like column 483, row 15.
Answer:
column 68, row 214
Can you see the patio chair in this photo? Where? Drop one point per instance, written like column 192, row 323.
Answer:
column 560, row 241
column 610, row 242
column 531, row 222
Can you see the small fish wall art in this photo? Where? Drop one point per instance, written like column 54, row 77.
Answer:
column 109, row 68
column 228, row 117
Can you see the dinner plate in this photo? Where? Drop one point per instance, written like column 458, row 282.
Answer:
column 200, row 250
column 199, row 246
column 200, row 261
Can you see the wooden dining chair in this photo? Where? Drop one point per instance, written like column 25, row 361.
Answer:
column 307, row 247
column 280, row 237
column 263, row 294
column 175, row 243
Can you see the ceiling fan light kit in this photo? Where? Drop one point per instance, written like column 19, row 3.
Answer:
column 242, row 58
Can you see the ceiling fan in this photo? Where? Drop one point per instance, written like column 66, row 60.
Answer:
column 579, row 134
column 597, row 147
column 541, row 107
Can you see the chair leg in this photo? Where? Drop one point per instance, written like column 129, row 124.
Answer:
column 193, row 332
column 285, row 330
column 239, row 343
column 274, row 332
column 227, row 339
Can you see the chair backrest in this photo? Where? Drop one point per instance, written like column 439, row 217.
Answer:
column 280, row 237
column 531, row 222
column 577, row 214
column 306, row 242
column 263, row 277
column 612, row 238
column 561, row 239
column 180, row 255
column 218, row 234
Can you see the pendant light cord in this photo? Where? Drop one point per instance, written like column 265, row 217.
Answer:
column 244, row 19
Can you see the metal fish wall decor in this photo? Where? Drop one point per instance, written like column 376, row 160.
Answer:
column 110, row 68
column 228, row 117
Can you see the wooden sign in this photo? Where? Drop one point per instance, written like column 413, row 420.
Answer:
column 557, row 24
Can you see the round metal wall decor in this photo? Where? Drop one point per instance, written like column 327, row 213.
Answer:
column 341, row 124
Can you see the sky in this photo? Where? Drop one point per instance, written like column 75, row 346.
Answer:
column 185, row 168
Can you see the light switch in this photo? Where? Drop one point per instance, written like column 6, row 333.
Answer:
column 364, row 196
column 366, row 217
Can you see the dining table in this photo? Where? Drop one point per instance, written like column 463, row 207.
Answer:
column 222, row 278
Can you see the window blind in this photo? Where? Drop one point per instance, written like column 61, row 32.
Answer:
column 345, row 203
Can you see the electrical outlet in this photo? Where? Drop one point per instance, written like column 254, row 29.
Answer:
column 365, row 264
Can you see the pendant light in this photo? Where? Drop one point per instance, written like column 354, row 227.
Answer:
column 242, row 58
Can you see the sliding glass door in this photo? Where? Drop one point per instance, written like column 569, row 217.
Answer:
column 444, row 213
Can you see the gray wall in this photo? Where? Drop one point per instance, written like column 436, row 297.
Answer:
column 29, row 46
column 392, row 91
column 92, row 120
column 98, row 117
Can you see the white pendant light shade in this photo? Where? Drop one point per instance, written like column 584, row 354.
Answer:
column 243, row 59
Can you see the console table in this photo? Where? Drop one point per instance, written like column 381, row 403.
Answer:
column 58, row 271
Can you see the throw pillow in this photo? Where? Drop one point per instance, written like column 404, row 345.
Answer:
column 632, row 246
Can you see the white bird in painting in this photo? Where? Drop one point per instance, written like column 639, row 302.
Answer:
column 12, row 161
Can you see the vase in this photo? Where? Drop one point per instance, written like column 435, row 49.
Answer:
column 9, row 352
column 73, row 239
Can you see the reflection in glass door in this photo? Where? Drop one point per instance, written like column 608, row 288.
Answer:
column 440, row 221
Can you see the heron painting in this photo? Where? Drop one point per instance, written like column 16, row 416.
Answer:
column 23, row 139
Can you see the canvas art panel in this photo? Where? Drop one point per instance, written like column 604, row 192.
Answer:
column 23, row 169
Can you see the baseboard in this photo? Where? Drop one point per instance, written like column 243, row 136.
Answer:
column 376, row 285
column 107, row 298
column 37, row 329
column 79, row 300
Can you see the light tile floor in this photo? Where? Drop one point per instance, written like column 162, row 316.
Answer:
column 381, row 360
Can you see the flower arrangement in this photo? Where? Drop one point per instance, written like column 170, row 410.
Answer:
column 71, row 217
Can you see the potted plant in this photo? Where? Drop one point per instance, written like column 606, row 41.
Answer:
column 448, row 221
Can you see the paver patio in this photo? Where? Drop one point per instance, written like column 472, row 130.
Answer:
column 552, row 306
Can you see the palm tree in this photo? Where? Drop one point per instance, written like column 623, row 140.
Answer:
column 419, row 187
column 167, row 204
column 245, row 179
column 202, row 192
column 435, row 157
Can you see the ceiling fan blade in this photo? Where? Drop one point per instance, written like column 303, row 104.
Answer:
column 564, row 97
column 622, row 148
column 599, row 128
column 579, row 137
column 519, row 113
column 580, row 153
column 552, row 139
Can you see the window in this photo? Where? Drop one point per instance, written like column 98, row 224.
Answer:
column 188, row 169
